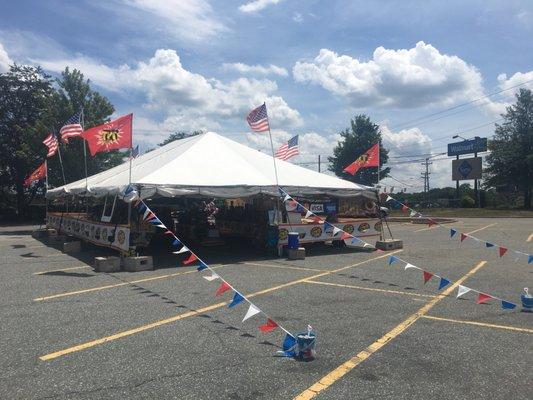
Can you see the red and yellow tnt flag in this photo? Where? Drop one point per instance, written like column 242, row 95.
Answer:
column 112, row 135
column 369, row 159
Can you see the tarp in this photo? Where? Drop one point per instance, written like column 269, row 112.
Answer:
column 210, row 165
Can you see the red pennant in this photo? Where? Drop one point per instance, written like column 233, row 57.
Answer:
column 224, row 287
column 482, row 298
column 404, row 208
column 168, row 233
column 137, row 202
column 431, row 222
column 427, row 276
column 150, row 216
column 316, row 219
column 192, row 258
column 503, row 250
column 345, row 235
column 269, row 326
column 463, row 237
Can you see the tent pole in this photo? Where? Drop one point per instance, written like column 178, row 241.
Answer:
column 275, row 170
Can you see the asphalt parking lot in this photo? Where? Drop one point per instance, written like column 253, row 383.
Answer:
column 70, row 333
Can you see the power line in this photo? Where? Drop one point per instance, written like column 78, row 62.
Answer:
column 462, row 105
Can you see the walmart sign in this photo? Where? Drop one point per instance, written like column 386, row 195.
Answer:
column 476, row 145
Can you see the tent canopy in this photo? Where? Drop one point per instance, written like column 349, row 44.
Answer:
column 209, row 165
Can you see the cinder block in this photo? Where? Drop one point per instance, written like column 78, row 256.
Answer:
column 72, row 247
column 39, row 233
column 389, row 244
column 297, row 254
column 140, row 263
column 106, row 264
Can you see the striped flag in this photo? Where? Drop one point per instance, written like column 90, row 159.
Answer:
column 71, row 128
column 258, row 119
column 288, row 149
column 52, row 143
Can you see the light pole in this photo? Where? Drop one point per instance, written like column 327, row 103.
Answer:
column 457, row 182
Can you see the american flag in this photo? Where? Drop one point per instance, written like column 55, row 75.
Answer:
column 51, row 142
column 288, row 149
column 71, row 128
column 258, row 119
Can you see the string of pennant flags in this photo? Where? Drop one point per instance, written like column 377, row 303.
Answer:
column 427, row 275
column 502, row 250
column 193, row 259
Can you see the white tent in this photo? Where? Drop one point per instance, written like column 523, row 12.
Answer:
column 210, row 165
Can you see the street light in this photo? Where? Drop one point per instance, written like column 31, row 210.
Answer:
column 458, row 136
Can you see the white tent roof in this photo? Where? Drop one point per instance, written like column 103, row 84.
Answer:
column 210, row 165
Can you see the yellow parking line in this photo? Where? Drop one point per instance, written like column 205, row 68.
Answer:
column 370, row 289
column 61, row 269
column 530, row 238
column 284, row 267
column 353, row 362
column 155, row 324
column 484, row 324
column 480, row 229
column 98, row 288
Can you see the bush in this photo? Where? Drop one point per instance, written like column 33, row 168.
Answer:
column 467, row 202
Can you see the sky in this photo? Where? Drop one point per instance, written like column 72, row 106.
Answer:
column 422, row 71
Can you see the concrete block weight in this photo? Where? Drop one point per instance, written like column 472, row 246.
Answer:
column 140, row 263
column 106, row 264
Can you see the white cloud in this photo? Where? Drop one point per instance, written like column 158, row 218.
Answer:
column 405, row 78
column 255, row 69
column 5, row 61
column 187, row 19
column 256, row 5
column 173, row 90
column 297, row 17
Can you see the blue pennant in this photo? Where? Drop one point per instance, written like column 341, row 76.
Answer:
column 202, row 266
column 392, row 259
column 443, row 283
column 530, row 259
column 155, row 221
column 289, row 346
column 507, row 305
column 281, row 192
column 237, row 298
column 176, row 242
column 487, row 244
column 142, row 208
column 452, row 232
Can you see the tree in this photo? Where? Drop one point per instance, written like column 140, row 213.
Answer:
column 26, row 94
column 74, row 93
column 178, row 136
column 357, row 139
column 510, row 160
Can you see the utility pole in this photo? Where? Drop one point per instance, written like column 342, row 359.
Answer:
column 425, row 176
column 319, row 163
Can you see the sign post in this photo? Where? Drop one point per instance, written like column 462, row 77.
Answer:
column 468, row 168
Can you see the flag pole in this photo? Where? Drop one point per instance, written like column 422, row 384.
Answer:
column 379, row 161
column 129, row 178
column 46, row 192
column 275, row 167
column 84, row 149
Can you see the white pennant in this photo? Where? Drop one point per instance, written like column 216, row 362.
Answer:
column 287, row 197
column 412, row 213
column 182, row 250
column 462, row 290
column 211, row 277
column 161, row 226
column 389, row 198
column 408, row 266
column 336, row 230
column 308, row 214
column 252, row 310
column 146, row 212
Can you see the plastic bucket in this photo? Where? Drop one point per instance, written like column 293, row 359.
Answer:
column 306, row 346
column 293, row 240
column 527, row 303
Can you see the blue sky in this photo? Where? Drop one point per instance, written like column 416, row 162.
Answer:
column 200, row 64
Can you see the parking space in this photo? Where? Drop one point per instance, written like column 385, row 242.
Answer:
column 381, row 332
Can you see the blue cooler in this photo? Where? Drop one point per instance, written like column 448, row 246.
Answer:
column 293, row 240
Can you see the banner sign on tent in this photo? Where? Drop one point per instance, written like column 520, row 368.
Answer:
column 318, row 232
column 99, row 233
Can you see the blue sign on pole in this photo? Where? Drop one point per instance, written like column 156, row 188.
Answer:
column 476, row 145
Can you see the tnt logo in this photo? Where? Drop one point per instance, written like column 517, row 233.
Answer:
column 107, row 137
